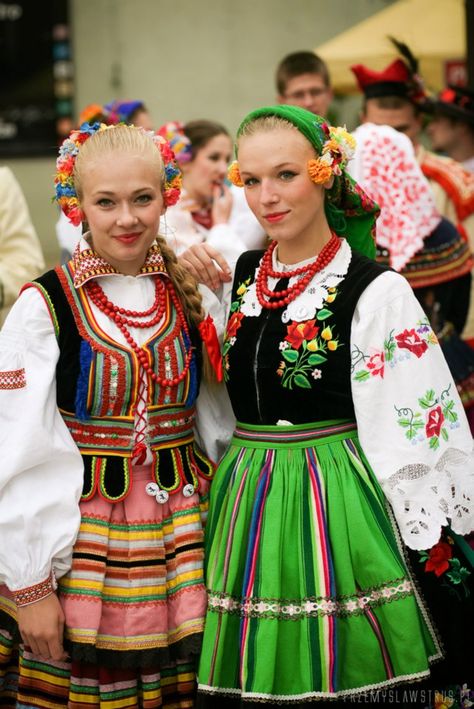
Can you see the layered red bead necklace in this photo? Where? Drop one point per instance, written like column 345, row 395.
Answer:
column 123, row 318
column 286, row 295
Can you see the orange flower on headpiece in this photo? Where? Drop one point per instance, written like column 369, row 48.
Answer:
column 319, row 171
column 233, row 173
column 337, row 150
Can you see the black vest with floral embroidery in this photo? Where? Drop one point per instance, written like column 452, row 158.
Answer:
column 295, row 371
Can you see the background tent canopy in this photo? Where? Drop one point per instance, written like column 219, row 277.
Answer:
column 433, row 29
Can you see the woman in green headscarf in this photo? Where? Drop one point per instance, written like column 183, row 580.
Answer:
column 343, row 401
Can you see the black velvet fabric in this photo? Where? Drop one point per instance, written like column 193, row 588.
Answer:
column 254, row 385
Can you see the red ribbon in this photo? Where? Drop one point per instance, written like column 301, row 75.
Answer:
column 208, row 333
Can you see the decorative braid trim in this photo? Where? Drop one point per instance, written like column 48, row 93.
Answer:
column 31, row 594
column 310, row 607
column 48, row 301
column 13, row 379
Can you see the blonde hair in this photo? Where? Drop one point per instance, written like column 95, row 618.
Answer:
column 135, row 141
column 265, row 124
column 121, row 138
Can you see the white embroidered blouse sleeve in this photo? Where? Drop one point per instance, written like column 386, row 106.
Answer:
column 411, row 422
column 42, row 472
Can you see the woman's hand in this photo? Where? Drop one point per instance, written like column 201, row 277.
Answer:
column 221, row 204
column 41, row 625
column 206, row 264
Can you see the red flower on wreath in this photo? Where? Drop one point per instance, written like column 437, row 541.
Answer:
column 439, row 556
column 233, row 325
column 376, row 364
column 410, row 340
column 434, row 422
column 297, row 332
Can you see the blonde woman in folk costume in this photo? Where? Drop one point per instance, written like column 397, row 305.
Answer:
column 343, row 402
column 102, row 488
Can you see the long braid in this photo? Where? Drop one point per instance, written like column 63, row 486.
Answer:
column 188, row 292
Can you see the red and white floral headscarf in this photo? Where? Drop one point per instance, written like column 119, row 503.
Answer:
column 385, row 166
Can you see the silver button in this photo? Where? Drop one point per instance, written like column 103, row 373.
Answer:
column 151, row 489
column 162, row 496
column 188, row 490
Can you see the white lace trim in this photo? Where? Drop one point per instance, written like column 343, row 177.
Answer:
column 309, row 607
column 303, row 306
column 261, row 696
column 425, row 498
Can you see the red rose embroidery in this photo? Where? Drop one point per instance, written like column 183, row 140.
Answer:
column 434, row 422
column 233, row 324
column 439, row 556
column 297, row 332
column 409, row 340
column 376, row 364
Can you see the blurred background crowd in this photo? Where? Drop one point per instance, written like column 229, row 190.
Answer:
column 196, row 68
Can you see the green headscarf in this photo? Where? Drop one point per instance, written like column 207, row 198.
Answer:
column 349, row 210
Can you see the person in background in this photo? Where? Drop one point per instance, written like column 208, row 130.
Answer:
column 103, row 489
column 451, row 128
column 133, row 112
column 210, row 210
column 344, row 403
column 21, row 257
column 396, row 97
column 417, row 242
column 302, row 79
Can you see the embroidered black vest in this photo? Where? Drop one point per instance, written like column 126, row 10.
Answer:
column 97, row 393
column 294, row 371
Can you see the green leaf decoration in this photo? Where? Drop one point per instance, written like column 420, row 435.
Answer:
column 301, row 381
column 234, row 306
column 290, row 355
column 323, row 314
column 444, row 433
column 410, row 434
column 417, row 424
column 434, row 443
column 362, row 375
column 404, row 422
column 316, row 359
column 450, row 415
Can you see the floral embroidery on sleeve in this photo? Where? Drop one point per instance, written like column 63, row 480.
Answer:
column 432, row 423
column 397, row 347
column 305, row 346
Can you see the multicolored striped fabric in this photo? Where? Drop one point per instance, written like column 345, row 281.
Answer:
column 134, row 598
column 59, row 685
column 305, row 574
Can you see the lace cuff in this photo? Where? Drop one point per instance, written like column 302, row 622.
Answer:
column 425, row 498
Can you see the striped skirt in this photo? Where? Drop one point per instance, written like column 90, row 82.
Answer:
column 309, row 594
column 134, row 603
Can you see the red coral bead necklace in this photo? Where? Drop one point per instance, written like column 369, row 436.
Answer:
column 119, row 316
column 286, row 295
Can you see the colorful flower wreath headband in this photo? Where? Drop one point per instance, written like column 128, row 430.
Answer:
column 66, row 195
column 337, row 150
column 174, row 133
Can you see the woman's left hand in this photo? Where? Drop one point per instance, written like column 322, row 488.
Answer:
column 206, row 264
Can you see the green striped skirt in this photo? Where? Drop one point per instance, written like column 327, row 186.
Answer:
column 309, row 593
